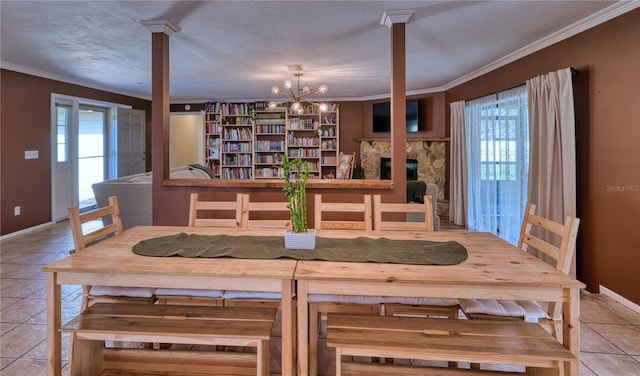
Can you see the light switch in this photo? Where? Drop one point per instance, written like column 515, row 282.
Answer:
column 31, row 154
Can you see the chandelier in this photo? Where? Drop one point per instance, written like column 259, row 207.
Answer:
column 298, row 96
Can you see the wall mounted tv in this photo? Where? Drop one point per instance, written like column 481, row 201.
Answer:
column 382, row 117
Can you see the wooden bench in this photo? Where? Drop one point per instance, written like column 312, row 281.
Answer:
column 474, row 341
column 175, row 324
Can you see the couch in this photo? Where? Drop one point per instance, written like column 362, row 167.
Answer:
column 134, row 193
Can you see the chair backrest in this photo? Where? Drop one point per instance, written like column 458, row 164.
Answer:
column 363, row 207
column 196, row 206
column 76, row 220
column 538, row 232
column 380, row 207
column 541, row 233
column 344, row 167
column 249, row 207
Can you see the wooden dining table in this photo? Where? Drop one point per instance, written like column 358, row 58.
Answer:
column 112, row 263
column 494, row 269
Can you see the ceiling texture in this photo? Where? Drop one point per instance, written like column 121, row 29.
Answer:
column 237, row 50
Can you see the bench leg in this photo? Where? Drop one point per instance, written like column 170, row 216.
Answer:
column 85, row 357
column 263, row 358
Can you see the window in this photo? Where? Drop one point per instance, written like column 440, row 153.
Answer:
column 498, row 161
column 63, row 123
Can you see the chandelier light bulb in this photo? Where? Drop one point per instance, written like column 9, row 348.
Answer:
column 298, row 95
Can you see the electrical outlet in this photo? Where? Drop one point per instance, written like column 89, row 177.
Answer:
column 16, row 210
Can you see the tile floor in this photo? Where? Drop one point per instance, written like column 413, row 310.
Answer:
column 610, row 340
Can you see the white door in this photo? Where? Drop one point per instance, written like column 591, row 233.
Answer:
column 131, row 142
column 63, row 167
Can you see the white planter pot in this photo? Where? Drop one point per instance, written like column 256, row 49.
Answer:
column 300, row 240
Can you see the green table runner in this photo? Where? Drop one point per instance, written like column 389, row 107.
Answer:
column 362, row 249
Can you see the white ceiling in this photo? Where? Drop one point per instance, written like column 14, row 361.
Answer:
column 237, row 50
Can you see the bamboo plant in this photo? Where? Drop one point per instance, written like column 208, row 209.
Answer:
column 296, row 175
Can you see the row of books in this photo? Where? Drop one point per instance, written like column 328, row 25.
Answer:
column 237, row 134
column 328, row 160
column 227, row 109
column 270, row 128
column 237, row 147
column 298, row 123
column 329, row 119
column 236, row 173
column 329, row 144
column 241, row 160
column 304, row 153
column 275, row 158
column 269, row 145
column 213, row 128
column 268, row 172
column 302, row 141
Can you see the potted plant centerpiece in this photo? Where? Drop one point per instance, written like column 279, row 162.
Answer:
column 296, row 174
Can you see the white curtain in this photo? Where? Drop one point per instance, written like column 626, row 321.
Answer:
column 458, row 185
column 553, row 151
column 497, row 145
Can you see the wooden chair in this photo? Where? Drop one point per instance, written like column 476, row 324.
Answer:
column 344, row 168
column 400, row 306
column 196, row 206
column 539, row 233
column 111, row 216
column 249, row 207
column 425, row 209
column 255, row 298
column 321, row 305
column 204, row 296
column 344, row 208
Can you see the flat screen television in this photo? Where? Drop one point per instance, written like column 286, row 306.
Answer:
column 382, row 116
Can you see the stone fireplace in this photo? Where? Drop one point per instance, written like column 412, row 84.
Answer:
column 431, row 163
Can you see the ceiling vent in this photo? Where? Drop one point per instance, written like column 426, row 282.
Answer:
column 295, row 67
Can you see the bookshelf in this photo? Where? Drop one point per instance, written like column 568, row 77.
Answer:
column 249, row 140
column 237, row 141
column 269, row 142
column 212, row 134
column 302, row 137
column 329, row 141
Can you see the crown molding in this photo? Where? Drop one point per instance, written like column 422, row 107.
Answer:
column 68, row 80
column 160, row 26
column 390, row 17
column 587, row 23
column 609, row 13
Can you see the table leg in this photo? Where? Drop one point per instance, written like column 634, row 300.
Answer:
column 303, row 329
column 288, row 329
column 571, row 326
column 54, row 314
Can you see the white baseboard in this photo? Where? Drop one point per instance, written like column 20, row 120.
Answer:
column 620, row 299
column 25, row 231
